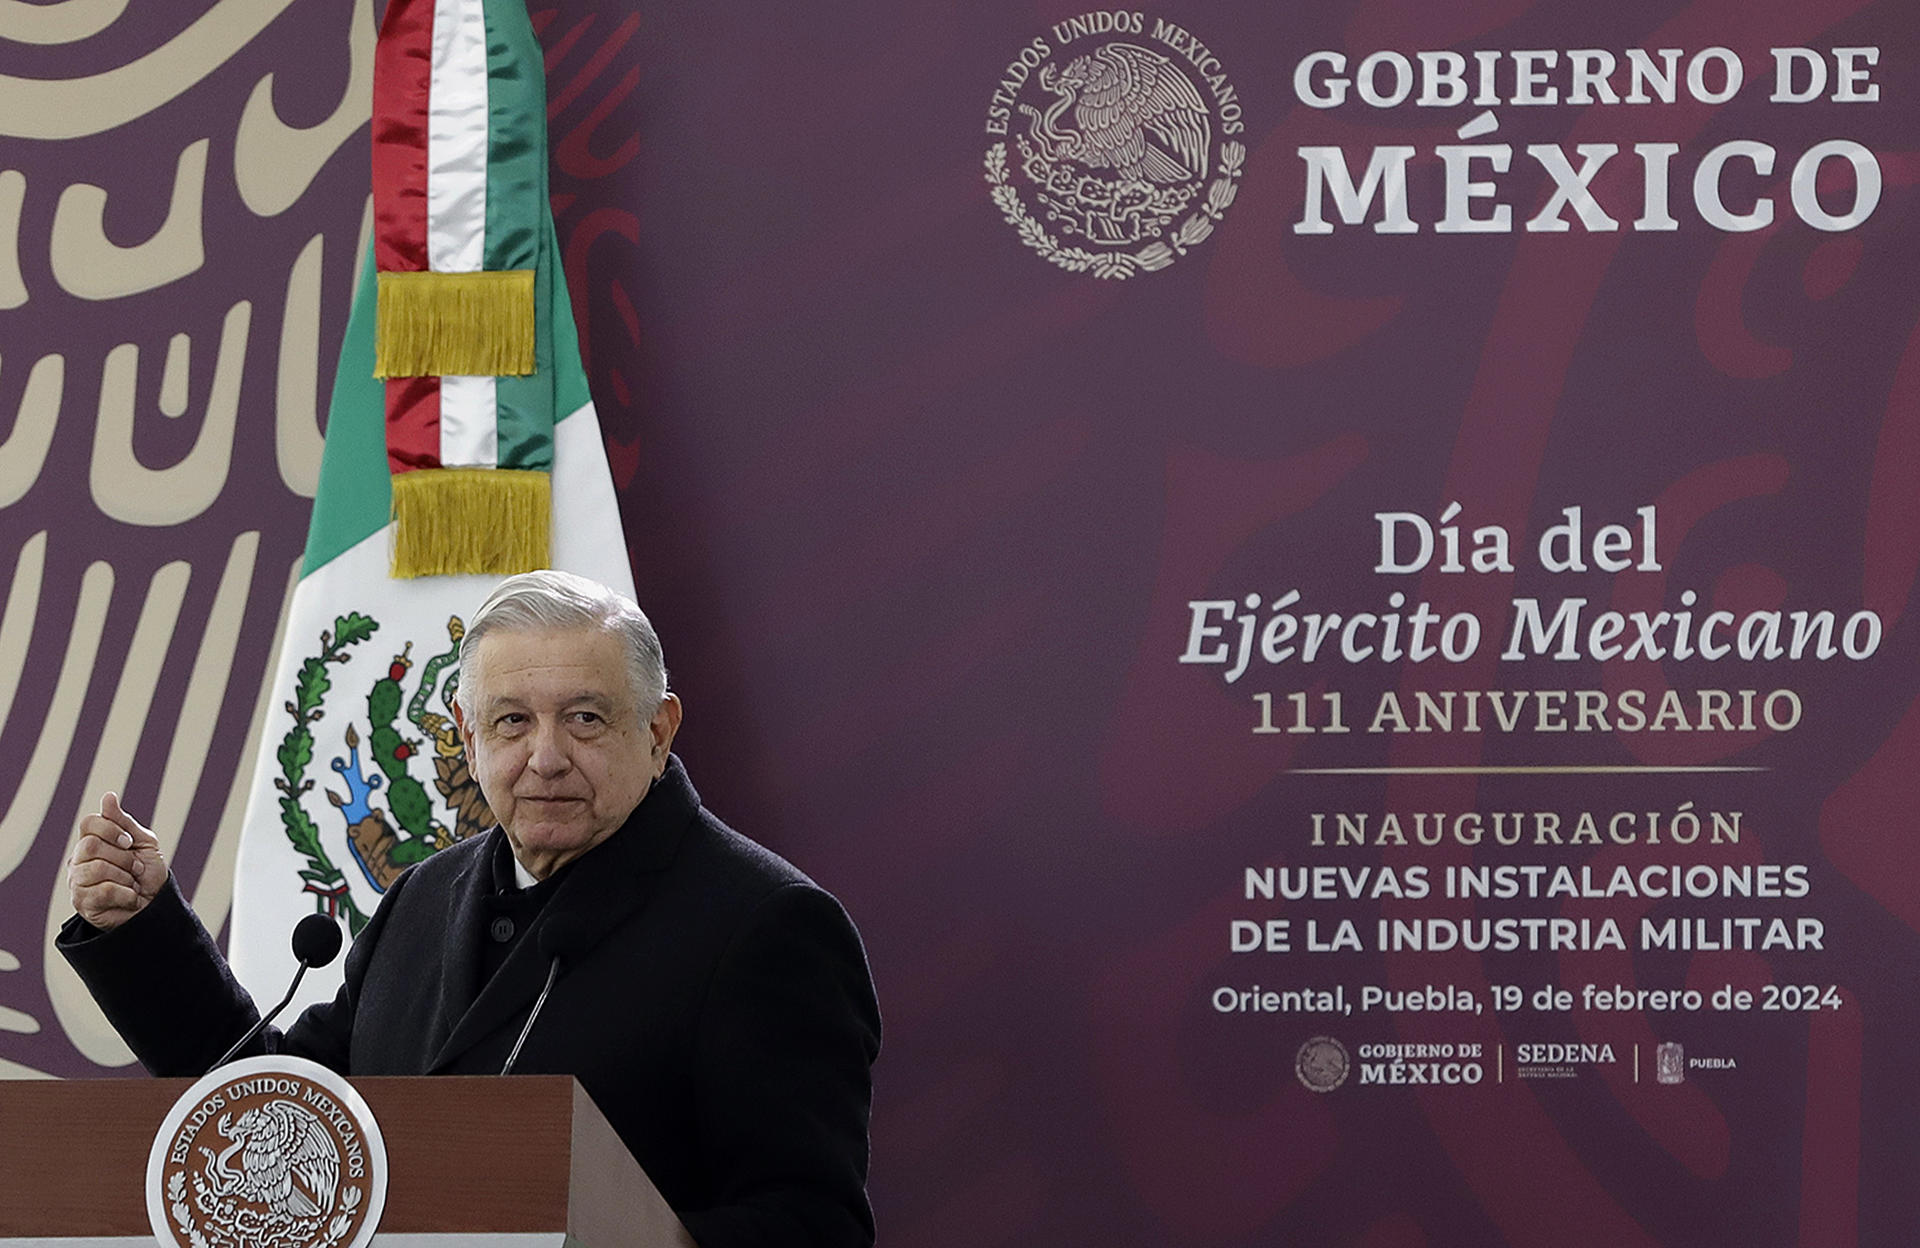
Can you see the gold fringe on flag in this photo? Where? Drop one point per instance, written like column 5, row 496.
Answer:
column 454, row 324
column 448, row 521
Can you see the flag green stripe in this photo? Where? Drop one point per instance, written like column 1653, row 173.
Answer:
column 570, row 392
column 516, row 137
column 355, row 496
column 518, row 222
column 525, row 405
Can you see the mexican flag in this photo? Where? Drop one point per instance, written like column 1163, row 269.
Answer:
column 461, row 446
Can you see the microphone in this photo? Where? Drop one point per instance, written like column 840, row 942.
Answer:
column 316, row 942
column 561, row 937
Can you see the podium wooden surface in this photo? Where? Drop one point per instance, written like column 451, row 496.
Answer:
column 526, row 1161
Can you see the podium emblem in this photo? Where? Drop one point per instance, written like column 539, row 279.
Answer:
column 267, row 1152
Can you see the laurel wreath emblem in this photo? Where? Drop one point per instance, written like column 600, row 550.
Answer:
column 296, row 753
column 1160, row 253
column 220, row 1220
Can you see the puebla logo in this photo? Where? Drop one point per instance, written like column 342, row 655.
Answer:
column 267, row 1152
column 1121, row 156
column 386, row 818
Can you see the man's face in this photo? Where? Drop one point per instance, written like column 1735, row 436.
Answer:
column 557, row 742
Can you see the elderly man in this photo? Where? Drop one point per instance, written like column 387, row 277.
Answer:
column 714, row 1002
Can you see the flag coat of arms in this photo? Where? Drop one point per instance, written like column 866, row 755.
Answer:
column 461, row 445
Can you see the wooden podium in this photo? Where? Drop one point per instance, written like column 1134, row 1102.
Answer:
column 493, row 1163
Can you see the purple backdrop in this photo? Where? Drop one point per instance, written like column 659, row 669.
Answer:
column 921, row 517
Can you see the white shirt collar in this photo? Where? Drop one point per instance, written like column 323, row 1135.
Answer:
column 521, row 876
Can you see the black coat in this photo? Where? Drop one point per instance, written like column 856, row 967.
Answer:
column 717, row 1007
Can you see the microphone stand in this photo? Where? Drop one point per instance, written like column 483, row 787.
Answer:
column 553, row 973
column 269, row 1017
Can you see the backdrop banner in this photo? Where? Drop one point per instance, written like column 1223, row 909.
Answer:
column 1333, row 585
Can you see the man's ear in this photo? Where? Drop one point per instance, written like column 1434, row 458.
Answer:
column 460, row 725
column 666, row 722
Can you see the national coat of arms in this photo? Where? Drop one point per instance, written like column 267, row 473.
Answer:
column 1113, row 166
column 1321, row 1064
column 268, row 1152
column 390, row 819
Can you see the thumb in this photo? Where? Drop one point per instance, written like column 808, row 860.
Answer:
column 137, row 834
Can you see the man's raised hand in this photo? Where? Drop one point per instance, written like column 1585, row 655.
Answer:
column 117, row 866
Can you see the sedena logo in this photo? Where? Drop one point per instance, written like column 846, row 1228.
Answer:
column 1113, row 149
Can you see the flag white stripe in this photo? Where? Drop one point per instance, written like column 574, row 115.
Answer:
column 586, row 512
column 457, row 139
column 469, row 431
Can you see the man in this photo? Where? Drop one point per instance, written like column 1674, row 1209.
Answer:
column 714, row 1002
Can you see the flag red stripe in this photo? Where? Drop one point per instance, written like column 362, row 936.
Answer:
column 402, row 76
column 413, row 423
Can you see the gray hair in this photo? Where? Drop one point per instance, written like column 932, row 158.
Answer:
column 539, row 601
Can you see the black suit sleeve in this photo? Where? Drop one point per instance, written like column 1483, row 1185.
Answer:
column 784, row 1049
column 164, row 985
